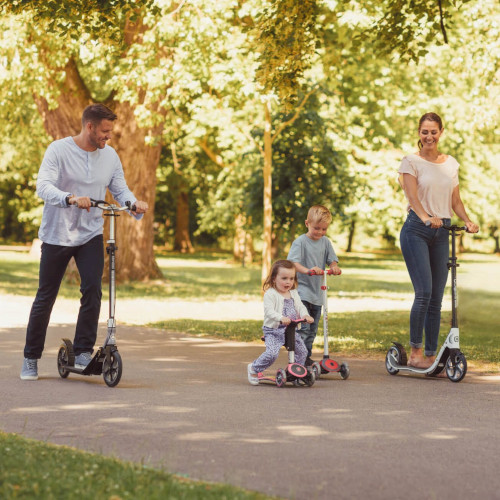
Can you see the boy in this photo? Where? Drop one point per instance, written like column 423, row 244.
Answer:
column 313, row 251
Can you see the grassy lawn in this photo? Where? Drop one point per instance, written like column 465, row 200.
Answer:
column 33, row 469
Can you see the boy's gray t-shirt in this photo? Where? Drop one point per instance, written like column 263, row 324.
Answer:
column 311, row 253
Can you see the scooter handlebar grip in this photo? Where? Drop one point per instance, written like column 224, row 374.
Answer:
column 314, row 273
column 131, row 206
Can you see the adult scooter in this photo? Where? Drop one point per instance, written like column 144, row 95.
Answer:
column 449, row 358
column 327, row 365
column 294, row 372
column 107, row 360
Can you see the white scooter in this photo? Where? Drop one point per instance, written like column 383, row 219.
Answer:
column 449, row 358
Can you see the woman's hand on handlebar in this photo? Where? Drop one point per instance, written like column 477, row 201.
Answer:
column 434, row 222
column 471, row 227
column 82, row 202
column 309, row 319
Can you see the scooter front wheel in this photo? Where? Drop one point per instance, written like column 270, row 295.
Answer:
column 112, row 369
column 456, row 371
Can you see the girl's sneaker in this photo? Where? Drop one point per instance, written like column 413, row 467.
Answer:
column 252, row 375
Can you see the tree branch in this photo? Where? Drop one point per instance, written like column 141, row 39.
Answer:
column 441, row 20
column 296, row 115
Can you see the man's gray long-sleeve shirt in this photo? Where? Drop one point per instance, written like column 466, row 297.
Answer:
column 68, row 169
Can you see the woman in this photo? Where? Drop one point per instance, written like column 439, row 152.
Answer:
column 430, row 182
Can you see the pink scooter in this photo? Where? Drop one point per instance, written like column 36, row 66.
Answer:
column 294, row 372
column 327, row 365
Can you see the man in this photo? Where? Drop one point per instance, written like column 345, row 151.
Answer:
column 74, row 170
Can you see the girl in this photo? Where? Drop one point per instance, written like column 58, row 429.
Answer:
column 281, row 305
column 430, row 181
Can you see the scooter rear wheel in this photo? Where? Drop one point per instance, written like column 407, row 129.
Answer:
column 112, row 369
column 394, row 354
column 280, row 378
column 65, row 357
column 344, row 371
column 456, row 372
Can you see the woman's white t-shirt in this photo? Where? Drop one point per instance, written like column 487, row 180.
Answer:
column 435, row 183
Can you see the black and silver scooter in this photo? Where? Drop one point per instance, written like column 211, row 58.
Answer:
column 107, row 360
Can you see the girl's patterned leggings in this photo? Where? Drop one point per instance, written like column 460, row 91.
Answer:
column 274, row 341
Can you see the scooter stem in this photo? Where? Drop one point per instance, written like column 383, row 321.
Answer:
column 324, row 287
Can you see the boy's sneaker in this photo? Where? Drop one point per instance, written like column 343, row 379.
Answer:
column 82, row 360
column 308, row 361
column 252, row 375
column 29, row 370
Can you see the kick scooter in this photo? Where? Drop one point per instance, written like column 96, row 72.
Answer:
column 295, row 373
column 327, row 365
column 449, row 358
column 107, row 360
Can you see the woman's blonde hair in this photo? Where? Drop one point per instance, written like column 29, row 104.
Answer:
column 271, row 278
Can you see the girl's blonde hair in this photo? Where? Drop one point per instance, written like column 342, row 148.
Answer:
column 271, row 278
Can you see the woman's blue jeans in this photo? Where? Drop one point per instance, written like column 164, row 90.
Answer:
column 426, row 253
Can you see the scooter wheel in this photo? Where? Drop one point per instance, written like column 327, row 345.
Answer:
column 456, row 372
column 394, row 355
column 344, row 371
column 112, row 369
column 65, row 357
column 280, row 378
column 316, row 368
column 310, row 378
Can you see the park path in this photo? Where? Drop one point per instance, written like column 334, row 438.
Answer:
column 14, row 309
column 184, row 404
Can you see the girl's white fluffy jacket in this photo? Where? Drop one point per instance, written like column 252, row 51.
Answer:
column 273, row 307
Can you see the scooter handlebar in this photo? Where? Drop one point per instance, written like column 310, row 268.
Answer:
column 314, row 273
column 104, row 205
column 449, row 228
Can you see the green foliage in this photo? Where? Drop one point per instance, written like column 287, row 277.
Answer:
column 101, row 19
column 285, row 34
column 33, row 469
column 408, row 29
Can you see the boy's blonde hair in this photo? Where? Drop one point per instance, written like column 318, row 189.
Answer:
column 271, row 277
column 319, row 213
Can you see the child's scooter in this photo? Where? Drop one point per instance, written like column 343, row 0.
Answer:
column 294, row 373
column 449, row 357
column 327, row 365
column 107, row 359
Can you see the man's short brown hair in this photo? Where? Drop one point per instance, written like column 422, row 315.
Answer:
column 96, row 113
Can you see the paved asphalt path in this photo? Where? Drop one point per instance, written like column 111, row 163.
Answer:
column 184, row 404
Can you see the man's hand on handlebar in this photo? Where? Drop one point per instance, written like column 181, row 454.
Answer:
column 80, row 202
column 141, row 207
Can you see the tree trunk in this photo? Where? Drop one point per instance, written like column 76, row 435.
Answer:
column 135, row 260
column 182, row 239
column 350, row 239
column 243, row 243
column 268, row 208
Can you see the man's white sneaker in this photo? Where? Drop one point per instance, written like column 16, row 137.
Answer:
column 82, row 360
column 29, row 370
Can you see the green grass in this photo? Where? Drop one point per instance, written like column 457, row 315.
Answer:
column 33, row 469
column 213, row 277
